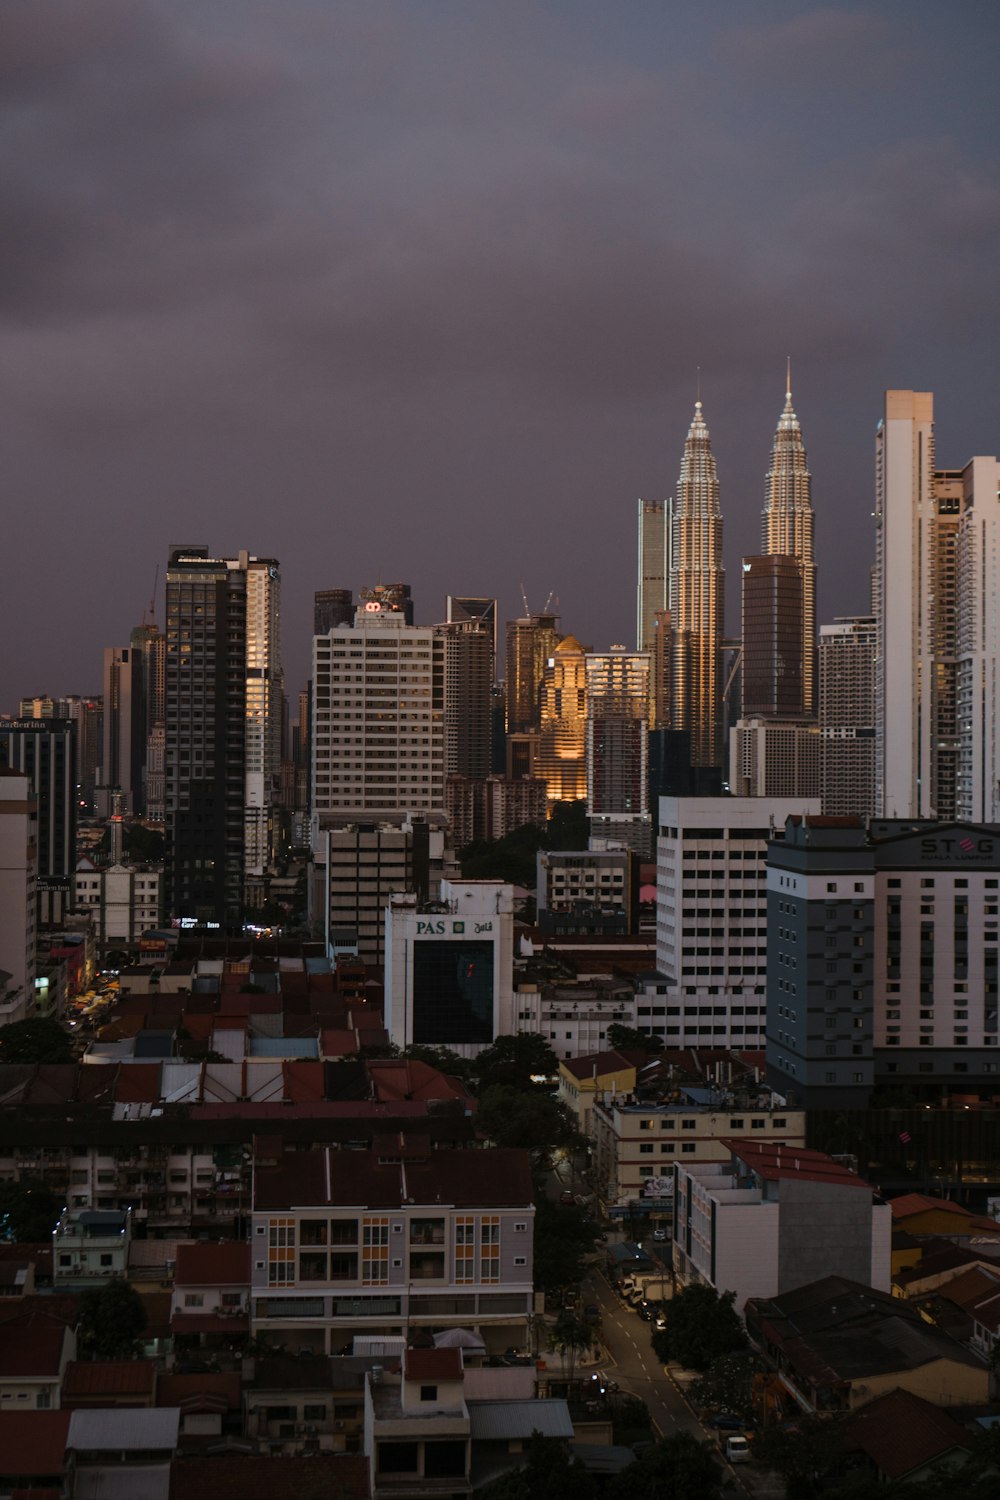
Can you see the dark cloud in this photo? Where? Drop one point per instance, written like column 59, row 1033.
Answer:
column 420, row 290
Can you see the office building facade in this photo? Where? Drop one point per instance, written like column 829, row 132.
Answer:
column 653, row 589
column 561, row 758
column 618, row 747
column 772, row 679
column 697, row 597
column 531, row 642
column 787, row 531
column 847, row 651
column 44, row 751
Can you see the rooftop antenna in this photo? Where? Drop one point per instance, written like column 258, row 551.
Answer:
column 524, row 601
column 698, row 386
column 788, row 379
column 152, row 602
column 548, row 601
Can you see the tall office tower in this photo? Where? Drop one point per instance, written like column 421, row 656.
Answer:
column 697, row 597
column 18, row 894
column 206, row 735
column 978, row 796
column 847, row 715
column 918, row 516
column 771, row 679
column 464, row 610
column 618, row 747
column 332, row 607
column 654, row 568
column 787, row 531
column 561, row 760
column 661, row 668
column 44, row 750
column 133, row 707
column 468, row 682
column 88, row 716
column 265, row 689
column 378, row 719
column 711, row 915
column 531, row 642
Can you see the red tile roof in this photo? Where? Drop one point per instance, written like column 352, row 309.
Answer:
column 202, row 1264
column 31, row 1345
column 433, row 1364
column 409, row 1078
column 775, row 1162
column 33, row 1442
column 911, row 1204
column 489, row 1179
column 602, row 1063
column 221, row 1391
column 109, row 1377
column 901, row 1432
column 238, row 1477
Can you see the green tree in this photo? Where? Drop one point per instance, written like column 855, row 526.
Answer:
column 39, row 1039
column 807, row 1456
column 701, row 1326
column 570, row 1337
column 564, row 1236
column 442, row 1058
column 568, row 826
column 145, row 845
column 678, row 1467
column 628, row 1039
column 533, row 1122
column 112, row 1317
column 29, row 1211
column 515, row 1060
column 511, row 858
column 548, row 1473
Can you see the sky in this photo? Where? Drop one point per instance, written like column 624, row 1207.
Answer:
column 419, row 290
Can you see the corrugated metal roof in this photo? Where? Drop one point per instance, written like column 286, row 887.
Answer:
column 180, row 1081
column 284, row 1046
column 131, row 1429
column 498, row 1421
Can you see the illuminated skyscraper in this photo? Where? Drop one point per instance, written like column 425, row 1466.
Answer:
column 265, row 686
column 654, row 568
column 531, row 641
column 697, row 597
column 618, row 747
column 787, row 530
column 562, row 741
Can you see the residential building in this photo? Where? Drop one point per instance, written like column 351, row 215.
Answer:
column 652, row 592
column 584, row 1079
column 711, row 916
column 776, row 758
column 44, row 750
column 772, row 1218
column 465, row 609
column 618, row 694
column 469, row 660
column 378, row 729
column 847, row 651
column 561, row 759
column 492, row 807
column 391, row 1240
column 364, row 865
column 883, row 959
column 601, row 880
column 936, row 615
column 449, row 966
column 265, row 703
column 210, row 1301
column 838, row 1343
column 697, row 598
column 787, row 537
column 18, row 896
column 574, row 1017
column 123, row 899
column 417, row 1426
column 89, row 1246
column 637, row 1142
column 35, row 1349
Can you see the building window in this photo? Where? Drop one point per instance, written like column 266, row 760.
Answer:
column 489, row 1259
column 428, row 1393
column 281, row 1252
column 375, row 1256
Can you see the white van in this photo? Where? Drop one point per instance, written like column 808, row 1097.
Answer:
column 737, row 1449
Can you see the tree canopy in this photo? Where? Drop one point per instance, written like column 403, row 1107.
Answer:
column 629, row 1039
column 548, row 1473
column 515, row 1061
column 112, row 1317
column 701, row 1327
column 533, row 1121
column 29, row 1211
column 564, row 1235
column 678, row 1467
column 39, row 1039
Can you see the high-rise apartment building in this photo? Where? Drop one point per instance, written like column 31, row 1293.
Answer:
column 468, row 702
column 787, row 531
column 465, row 609
column 531, row 642
column 133, row 708
column 44, row 750
column 18, row 895
column 978, row 686
column 618, row 747
column 775, row 758
column 561, row 759
column 223, row 687
column 847, row 715
column 697, row 597
column 652, row 593
column 918, row 513
column 378, row 719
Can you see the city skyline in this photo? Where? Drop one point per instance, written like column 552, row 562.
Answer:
column 389, row 290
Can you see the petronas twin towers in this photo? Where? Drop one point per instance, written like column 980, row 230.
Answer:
column 695, row 575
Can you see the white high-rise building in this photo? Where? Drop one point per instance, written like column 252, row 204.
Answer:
column 711, row 915
column 979, row 643
column 936, row 614
column 378, row 730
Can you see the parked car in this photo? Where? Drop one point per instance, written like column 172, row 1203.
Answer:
column 725, row 1421
column 592, row 1313
column 737, row 1450
column 646, row 1311
column 566, row 1198
column 659, row 1236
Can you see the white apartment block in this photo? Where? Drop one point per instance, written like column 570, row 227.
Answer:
column 123, row 899
column 378, row 730
column 574, row 1019
column 711, row 916
column 979, row 643
column 594, row 877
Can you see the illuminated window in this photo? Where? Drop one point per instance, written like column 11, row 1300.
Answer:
column 375, row 1254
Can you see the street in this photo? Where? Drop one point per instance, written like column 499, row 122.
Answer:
column 636, row 1368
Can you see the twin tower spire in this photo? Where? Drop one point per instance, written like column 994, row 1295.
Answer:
column 696, row 574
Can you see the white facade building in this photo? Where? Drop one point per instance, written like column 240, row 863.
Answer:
column 264, row 689
column 449, row 967
column 711, row 915
column 378, row 729
column 124, row 900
